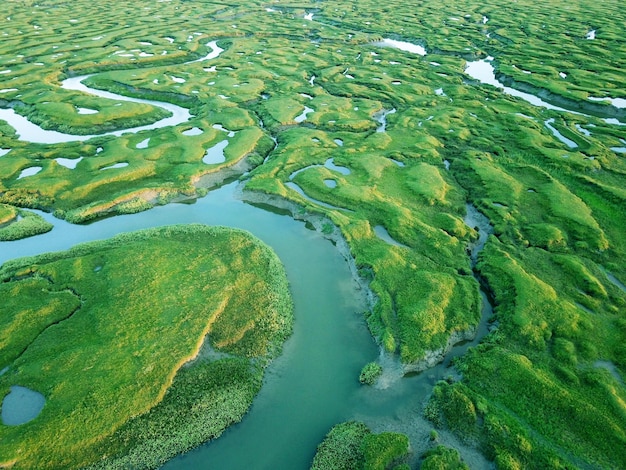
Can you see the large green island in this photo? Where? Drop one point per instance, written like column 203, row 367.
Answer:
column 143, row 346
column 466, row 157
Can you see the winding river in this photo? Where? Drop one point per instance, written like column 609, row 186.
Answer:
column 314, row 383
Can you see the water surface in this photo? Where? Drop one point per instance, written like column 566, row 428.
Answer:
column 21, row 405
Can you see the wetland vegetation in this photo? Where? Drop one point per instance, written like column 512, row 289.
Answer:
column 412, row 139
column 112, row 333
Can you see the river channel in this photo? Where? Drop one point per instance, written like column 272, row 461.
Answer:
column 314, row 383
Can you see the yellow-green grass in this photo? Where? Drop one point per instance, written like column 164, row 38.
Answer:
column 7, row 214
column 104, row 330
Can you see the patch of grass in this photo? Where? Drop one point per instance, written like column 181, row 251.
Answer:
column 443, row 458
column 86, row 327
column 26, row 224
column 352, row 446
column 370, row 373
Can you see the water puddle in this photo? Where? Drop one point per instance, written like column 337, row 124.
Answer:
column 68, row 162
column 381, row 232
column 582, row 130
column 86, row 111
column 215, row 154
column 583, row 308
column 33, row 170
column 401, row 45
column 116, row 165
column 615, row 281
column 570, row 143
column 308, row 17
column 610, row 367
column 330, row 184
column 302, row 117
column 143, row 144
column 339, row 142
column 21, row 405
column 193, row 131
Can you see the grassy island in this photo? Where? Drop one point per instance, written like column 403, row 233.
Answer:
column 143, row 346
column 390, row 145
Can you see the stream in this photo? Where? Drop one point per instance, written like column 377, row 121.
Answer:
column 314, row 384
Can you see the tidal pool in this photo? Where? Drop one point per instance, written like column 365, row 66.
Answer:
column 143, row 144
column 215, row 154
column 193, row 131
column 33, row 170
column 68, row 162
column 402, row 45
column 302, row 117
column 483, row 71
column 86, row 111
column 115, row 165
column 382, row 233
column 21, row 405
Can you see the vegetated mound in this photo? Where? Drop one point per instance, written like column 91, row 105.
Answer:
column 106, row 332
column 352, row 446
column 16, row 224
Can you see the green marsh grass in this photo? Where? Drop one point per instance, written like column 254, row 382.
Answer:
column 104, row 332
column 351, row 445
column 557, row 213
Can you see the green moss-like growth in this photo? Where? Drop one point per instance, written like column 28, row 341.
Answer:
column 370, row 373
column 25, row 224
column 352, row 446
column 443, row 458
column 86, row 327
